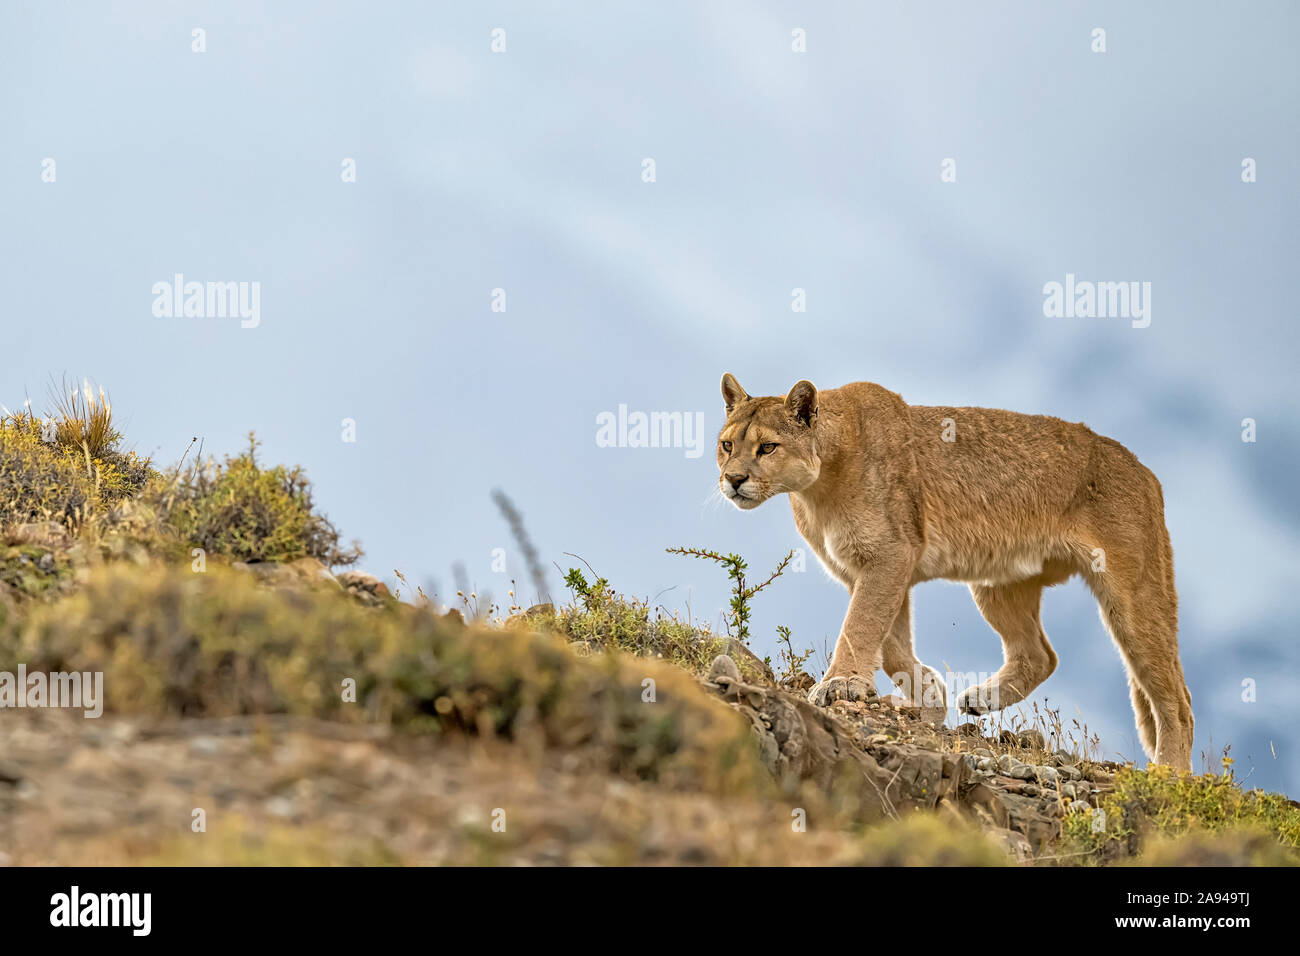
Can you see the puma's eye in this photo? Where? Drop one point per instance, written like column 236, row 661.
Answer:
column 726, row 446
column 767, row 448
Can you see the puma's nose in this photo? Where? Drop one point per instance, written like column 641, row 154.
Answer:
column 737, row 480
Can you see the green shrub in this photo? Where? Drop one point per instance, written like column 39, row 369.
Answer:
column 39, row 481
column 249, row 513
column 70, row 478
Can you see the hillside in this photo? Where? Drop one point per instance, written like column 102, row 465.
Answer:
column 262, row 704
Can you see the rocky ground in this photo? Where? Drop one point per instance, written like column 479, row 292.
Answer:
column 908, row 760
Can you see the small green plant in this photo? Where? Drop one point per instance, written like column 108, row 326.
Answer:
column 738, row 619
column 599, row 618
column 791, row 661
column 591, row 595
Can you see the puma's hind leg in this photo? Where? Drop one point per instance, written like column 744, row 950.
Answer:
column 1028, row 659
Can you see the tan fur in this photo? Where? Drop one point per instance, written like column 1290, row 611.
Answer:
column 1014, row 503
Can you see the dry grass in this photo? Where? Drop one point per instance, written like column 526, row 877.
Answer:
column 84, row 419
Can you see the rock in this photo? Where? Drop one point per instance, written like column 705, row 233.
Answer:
column 1013, row 811
column 10, row 773
column 313, row 571
column 365, row 587
column 364, row 581
column 536, row 615
column 1047, row 776
column 1066, row 789
column 987, row 764
column 738, row 651
column 46, row 562
column 723, row 666
column 1017, row 844
column 970, row 729
column 800, row 683
column 272, row 573
column 802, row 742
column 1069, row 771
column 1006, row 762
column 1031, row 740
column 934, row 716
column 1023, row 771
column 45, row 534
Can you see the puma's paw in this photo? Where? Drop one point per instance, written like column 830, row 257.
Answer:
column 975, row 700
column 841, row 688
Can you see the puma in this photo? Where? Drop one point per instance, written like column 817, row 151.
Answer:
column 889, row 495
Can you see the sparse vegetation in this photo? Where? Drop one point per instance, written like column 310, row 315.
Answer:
column 599, row 619
column 1158, row 804
column 177, row 644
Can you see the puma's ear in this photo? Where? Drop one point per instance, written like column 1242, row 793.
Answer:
column 802, row 402
column 732, row 393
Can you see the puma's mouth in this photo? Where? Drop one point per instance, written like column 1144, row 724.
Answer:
column 742, row 501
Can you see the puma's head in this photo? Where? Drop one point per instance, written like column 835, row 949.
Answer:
column 767, row 445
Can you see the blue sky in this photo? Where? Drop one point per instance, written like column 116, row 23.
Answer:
column 774, row 170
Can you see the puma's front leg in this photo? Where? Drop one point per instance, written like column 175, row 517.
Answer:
column 877, row 597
